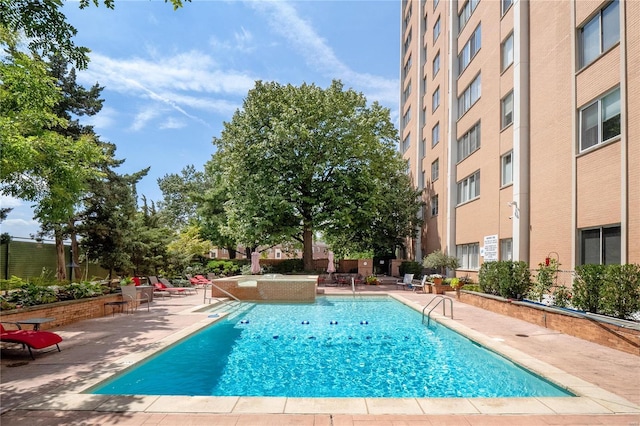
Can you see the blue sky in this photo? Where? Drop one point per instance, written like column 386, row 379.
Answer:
column 172, row 78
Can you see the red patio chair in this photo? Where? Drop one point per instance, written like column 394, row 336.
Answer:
column 30, row 338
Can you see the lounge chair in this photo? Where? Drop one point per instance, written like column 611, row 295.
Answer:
column 133, row 297
column 406, row 281
column 159, row 288
column 30, row 338
column 419, row 286
column 168, row 284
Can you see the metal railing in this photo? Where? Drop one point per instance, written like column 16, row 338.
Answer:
column 440, row 300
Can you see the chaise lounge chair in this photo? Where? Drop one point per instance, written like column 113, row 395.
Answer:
column 169, row 285
column 159, row 287
column 406, row 282
column 30, row 338
column 421, row 285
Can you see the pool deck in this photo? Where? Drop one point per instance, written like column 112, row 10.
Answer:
column 47, row 391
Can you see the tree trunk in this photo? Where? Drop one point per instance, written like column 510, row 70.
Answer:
column 75, row 253
column 61, row 273
column 307, row 248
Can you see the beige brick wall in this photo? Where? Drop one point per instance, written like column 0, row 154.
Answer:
column 292, row 289
column 64, row 313
column 633, row 127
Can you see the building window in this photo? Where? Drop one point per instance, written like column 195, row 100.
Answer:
column 435, row 170
column 469, row 142
column 600, row 121
column 436, row 30
column 507, row 169
column 278, row 254
column 506, row 4
column 434, row 205
column 436, row 65
column 506, row 249
column 435, row 4
column 407, row 117
column 506, row 50
column 407, row 17
column 406, row 143
column 469, row 188
column 507, row 110
column 407, row 42
column 435, row 99
column 470, row 96
column 600, row 246
column 435, row 134
column 407, row 66
column 466, row 12
column 470, row 49
column 468, row 255
column 407, row 92
column 599, row 34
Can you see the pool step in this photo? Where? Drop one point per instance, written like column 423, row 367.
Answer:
column 233, row 308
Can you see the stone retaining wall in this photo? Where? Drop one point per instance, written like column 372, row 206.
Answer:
column 66, row 312
column 610, row 335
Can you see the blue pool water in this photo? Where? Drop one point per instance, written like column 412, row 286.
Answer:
column 336, row 347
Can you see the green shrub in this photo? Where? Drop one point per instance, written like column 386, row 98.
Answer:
column 561, row 296
column 488, row 278
column 505, row 278
column 586, row 287
column 82, row 290
column 12, row 283
column 288, row 266
column 620, row 291
column 30, row 294
column 408, row 267
column 225, row 267
column 544, row 280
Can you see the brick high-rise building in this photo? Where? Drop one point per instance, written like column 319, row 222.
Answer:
column 521, row 121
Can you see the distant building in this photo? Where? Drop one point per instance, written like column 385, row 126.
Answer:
column 521, row 121
column 320, row 251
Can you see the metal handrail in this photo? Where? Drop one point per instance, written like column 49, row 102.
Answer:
column 440, row 299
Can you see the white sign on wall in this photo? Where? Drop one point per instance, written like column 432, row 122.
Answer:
column 490, row 248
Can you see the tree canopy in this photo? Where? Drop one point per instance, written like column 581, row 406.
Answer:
column 301, row 160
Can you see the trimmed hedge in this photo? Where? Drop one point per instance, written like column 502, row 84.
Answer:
column 505, row 278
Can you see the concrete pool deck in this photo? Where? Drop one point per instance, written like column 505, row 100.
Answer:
column 47, row 391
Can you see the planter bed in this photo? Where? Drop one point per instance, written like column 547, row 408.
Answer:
column 611, row 332
column 66, row 312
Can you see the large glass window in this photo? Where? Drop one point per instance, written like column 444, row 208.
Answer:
column 600, row 246
column 470, row 49
column 407, row 117
column 599, row 34
column 434, row 205
column 506, row 4
column 406, row 143
column 469, row 188
column 436, row 30
column 436, row 65
column 600, row 120
column 466, row 12
column 507, row 169
column 407, row 92
column 470, row 96
column 435, row 99
column 506, row 249
column 507, row 110
column 407, row 66
column 468, row 255
column 407, row 42
column 435, row 134
column 507, row 52
column 435, row 170
column 469, row 142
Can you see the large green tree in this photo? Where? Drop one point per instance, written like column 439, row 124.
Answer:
column 299, row 160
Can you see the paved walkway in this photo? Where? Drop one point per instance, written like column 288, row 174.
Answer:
column 47, row 391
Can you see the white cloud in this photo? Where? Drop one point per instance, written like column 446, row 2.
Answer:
column 9, row 202
column 102, row 120
column 143, row 117
column 173, row 123
column 284, row 19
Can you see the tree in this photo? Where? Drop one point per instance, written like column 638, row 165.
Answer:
column 41, row 161
column 296, row 160
column 179, row 192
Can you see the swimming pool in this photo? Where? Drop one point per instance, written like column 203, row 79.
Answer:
column 336, row 347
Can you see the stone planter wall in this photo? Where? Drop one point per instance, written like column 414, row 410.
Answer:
column 66, row 312
column 621, row 338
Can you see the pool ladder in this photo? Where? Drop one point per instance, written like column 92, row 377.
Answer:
column 441, row 300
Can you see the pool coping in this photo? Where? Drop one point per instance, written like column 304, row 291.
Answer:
column 591, row 399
